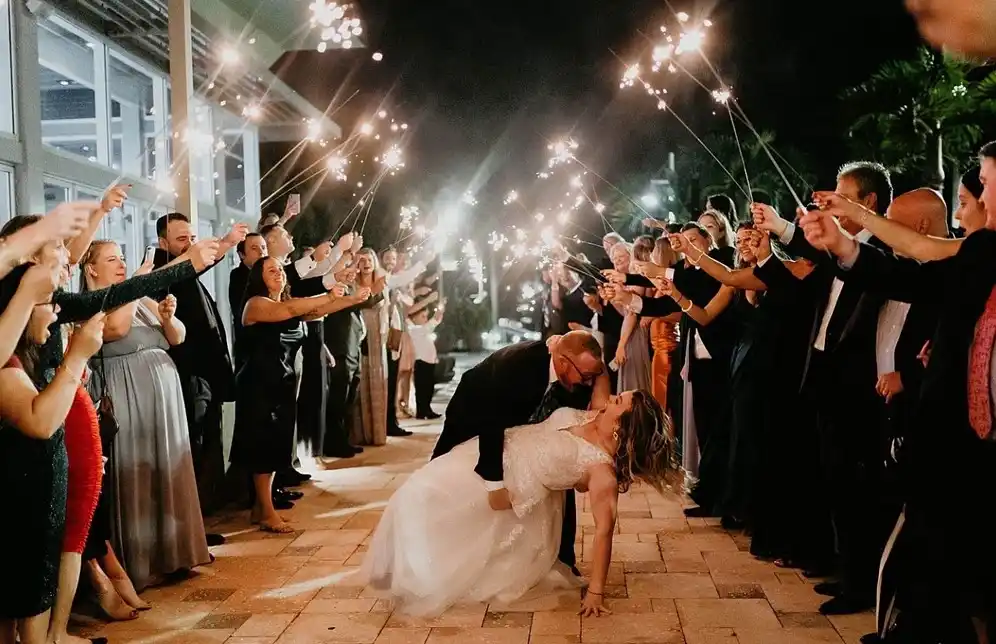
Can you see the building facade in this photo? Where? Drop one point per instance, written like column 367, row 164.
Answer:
column 85, row 103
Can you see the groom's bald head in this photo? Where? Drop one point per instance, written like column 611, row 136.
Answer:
column 579, row 358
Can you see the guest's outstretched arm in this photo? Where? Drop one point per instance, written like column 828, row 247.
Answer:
column 76, row 307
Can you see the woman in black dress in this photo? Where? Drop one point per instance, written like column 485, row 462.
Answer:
column 266, row 398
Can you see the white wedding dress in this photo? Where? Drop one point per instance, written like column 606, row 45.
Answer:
column 439, row 542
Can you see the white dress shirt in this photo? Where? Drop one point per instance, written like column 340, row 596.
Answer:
column 891, row 320
column 835, row 289
column 701, row 352
column 423, row 341
column 307, row 268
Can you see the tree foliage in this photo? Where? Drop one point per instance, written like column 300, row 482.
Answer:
column 911, row 111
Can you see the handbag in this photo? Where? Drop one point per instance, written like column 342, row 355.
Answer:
column 106, row 421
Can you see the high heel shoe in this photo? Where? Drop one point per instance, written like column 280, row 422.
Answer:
column 115, row 608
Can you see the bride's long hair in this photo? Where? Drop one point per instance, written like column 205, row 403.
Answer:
column 647, row 449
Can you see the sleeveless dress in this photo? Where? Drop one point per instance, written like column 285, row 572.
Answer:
column 664, row 340
column 86, row 470
column 439, row 542
column 266, row 396
column 33, row 481
column 155, row 510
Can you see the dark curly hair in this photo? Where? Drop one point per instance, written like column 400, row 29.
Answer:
column 255, row 286
column 647, row 448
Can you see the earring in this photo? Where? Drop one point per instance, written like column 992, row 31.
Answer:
column 615, row 436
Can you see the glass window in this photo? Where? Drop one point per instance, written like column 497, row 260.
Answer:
column 235, row 171
column 116, row 227
column 55, row 193
column 6, row 69
column 68, row 100
column 201, row 143
column 6, row 193
column 133, row 121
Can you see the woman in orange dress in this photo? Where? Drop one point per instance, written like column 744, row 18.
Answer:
column 663, row 333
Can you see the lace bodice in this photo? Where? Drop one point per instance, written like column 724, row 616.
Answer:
column 543, row 457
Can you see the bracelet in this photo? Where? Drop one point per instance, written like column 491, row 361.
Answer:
column 690, row 305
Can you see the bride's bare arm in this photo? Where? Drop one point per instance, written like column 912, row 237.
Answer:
column 603, row 491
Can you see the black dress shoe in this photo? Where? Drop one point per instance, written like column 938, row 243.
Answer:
column 698, row 513
column 870, row 638
column 829, row 588
column 429, row 415
column 282, row 503
column 290, row 495
column 732, row 523
column 215, row 539
column 301, row 476
column 846, row 605
column 398, row 431
column 817, row 571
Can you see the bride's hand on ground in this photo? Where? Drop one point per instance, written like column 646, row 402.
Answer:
column 592, row 606
column 500, row 500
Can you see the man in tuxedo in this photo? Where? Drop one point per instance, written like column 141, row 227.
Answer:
column 344, row 334
column 202, row 360
column 250, row 250
column 521, row 384
column 842, row 359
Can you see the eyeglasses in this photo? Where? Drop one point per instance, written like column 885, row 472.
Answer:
column 586, row 378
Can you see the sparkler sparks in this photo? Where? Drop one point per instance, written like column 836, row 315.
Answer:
column 337, row 166
column 563, row 152
column 408, row 215
column 690, row 41
column 393, row 158
column 511, row 197
column 721, row 96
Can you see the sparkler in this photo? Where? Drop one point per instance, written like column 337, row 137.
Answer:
column 393, row 159
column 512, row 197
column 336, row 25
column 408, row 215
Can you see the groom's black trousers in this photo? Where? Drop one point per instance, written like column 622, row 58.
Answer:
column 450, row 439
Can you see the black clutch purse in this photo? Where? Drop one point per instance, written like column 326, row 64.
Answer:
column 106, row 420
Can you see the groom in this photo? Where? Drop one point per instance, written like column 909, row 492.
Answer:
column 522, row 384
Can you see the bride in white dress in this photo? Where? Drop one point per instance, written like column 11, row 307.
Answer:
column 440, row 543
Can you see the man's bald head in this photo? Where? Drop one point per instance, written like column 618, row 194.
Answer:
column 922, row 210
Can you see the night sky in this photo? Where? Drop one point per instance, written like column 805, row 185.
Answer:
column 484, row 85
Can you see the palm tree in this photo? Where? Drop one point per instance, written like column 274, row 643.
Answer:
column 916, row 115
column 701, row 175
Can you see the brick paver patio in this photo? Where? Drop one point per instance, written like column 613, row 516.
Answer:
column 673, row 580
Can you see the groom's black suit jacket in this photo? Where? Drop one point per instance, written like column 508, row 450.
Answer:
column 503, row 391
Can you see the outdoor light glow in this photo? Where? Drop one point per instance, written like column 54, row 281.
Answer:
column 650, row 200
column 378, row 56
column 599, row 208
column 366, row 129
column 252, row 112
column 682, row 16
column 511, row 197
column 229, row 56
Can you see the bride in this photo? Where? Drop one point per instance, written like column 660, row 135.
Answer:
column 440, row 543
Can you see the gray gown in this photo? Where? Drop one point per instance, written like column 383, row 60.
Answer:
column 156, row 514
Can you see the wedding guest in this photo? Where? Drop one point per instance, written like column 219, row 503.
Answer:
column 267, row 384
column 422, row 330
column 156, row 511
column 970, row 214
column 632, row 358
column 35, row 466
column 664, row 338
column 373, row 361
column 203, row 359
column 719, row 228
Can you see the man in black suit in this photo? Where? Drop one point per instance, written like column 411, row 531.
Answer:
column 344, row 334
column 521, row 384
column 203, row 361
column 842, row 359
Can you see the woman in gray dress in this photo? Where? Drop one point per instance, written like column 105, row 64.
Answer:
column 156, row 512
column 633, row 353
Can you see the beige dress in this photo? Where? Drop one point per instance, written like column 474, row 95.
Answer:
column 372, row 428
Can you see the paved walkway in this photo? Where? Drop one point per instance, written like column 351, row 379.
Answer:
column 673, row 580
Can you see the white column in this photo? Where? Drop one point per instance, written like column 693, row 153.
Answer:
column 29, row 178
column 181, row 75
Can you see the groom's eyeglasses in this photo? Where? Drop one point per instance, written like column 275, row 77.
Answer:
column 586, row 378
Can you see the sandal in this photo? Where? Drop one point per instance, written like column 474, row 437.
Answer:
column 282, row 528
